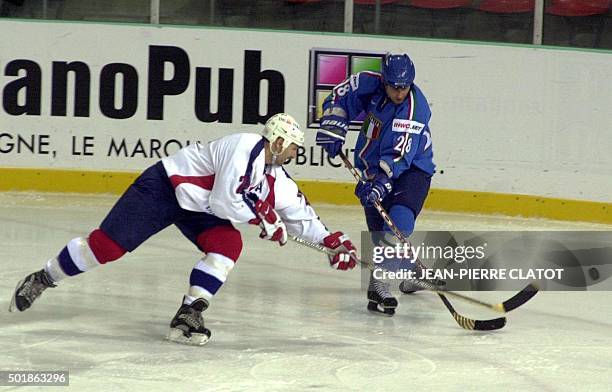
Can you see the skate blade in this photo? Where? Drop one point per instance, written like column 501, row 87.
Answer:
column 378, row 309
column 13, row 306
column 196, row 339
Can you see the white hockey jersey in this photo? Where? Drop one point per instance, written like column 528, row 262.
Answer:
column 222, row 177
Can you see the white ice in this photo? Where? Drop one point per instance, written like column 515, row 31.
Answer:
column 283, row 321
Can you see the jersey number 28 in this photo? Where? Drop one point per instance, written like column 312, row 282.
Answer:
column 404, row 143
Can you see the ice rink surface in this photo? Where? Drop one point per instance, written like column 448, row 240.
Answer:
column 283, row 321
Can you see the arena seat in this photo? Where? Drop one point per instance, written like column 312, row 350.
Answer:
column 513, row 18
column 576, row 23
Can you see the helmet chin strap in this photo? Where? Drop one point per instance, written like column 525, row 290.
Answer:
column 274, row 154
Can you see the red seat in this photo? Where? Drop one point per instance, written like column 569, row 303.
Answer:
column 373, row 2
column 440, row 4
column 507, row 6
column 368, row 19
column 584, row 21
column 508, row 20
column 302, row 1
column 578, row 8
column 437, row 18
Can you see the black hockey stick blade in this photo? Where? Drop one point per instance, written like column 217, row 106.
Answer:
column 520, row 298
column 471, row 324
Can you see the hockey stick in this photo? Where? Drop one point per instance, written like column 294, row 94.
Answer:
column 517, row 300
column 421, row 283
column 504, row 307
column 314, row 245
column 464, row 322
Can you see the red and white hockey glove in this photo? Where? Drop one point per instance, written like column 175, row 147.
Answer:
column 272, row 226
column 346, row 254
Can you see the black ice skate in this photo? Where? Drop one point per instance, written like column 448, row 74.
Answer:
column 408, row 287
column 381, row 301
column 187, row 327
column 28, row 289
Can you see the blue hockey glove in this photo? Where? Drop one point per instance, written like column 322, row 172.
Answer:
column 332, row 133
column 369, row 192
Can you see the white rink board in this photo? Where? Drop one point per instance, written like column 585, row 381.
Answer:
column 505, row 119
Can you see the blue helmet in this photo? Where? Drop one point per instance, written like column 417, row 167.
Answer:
column 398, row 70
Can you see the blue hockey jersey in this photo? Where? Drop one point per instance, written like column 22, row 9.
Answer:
column 396, row 134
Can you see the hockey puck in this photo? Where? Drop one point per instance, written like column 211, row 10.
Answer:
column 593, row 273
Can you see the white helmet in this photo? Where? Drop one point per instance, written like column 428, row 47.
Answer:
column 285, row 126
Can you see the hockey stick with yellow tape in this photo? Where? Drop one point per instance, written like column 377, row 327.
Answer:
column 464, row 322
column 517, row 300
column 504, row 307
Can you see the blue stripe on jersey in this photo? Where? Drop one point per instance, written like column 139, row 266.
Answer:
column 246, row 179
column 287, row 174
column 205, row 281
column 67, row 264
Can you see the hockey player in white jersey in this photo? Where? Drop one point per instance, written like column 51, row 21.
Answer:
column 203, row 189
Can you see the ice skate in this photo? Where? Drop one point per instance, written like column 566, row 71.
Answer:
column 187, row 327
column 408, row 287
column 28, row 289
column 380, row 299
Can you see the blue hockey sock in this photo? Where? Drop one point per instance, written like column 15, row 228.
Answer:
column 403, row 217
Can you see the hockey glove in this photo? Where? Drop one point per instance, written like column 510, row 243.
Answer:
column 346, row 254
column 272, row 226
column 332, row 133
column 369, row 192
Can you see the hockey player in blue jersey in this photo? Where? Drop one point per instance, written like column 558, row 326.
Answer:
column 393, row 151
